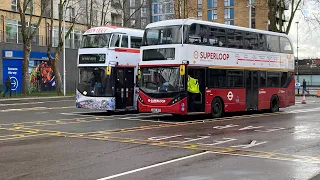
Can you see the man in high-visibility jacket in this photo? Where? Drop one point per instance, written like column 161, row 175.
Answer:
column 193, row 89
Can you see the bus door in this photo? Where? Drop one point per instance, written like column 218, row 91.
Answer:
column 199, row 74
column 251, row 89
column 124, row 87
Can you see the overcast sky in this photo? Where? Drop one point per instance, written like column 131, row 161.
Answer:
column 308, row 33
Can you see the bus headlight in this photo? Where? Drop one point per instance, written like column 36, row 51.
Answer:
column 175, row 100
column 140, row 99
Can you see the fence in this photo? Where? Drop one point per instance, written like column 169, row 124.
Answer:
column 41, row 89
column 38, row 40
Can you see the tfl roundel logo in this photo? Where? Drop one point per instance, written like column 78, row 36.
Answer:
column 196, row 54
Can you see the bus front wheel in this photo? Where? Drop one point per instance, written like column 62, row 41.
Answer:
column 216, row 107
column 274, row 104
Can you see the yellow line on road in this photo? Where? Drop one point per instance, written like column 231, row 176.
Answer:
column 35, row 109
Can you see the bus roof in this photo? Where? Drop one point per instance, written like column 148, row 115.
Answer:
column 173, row 22
column 115, row 29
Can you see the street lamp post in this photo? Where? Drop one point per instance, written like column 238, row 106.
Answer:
column 250, row 13
column 298, row 53
column 64, row 50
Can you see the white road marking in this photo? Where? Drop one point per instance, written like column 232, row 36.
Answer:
column 18, row 104
column 153, row 166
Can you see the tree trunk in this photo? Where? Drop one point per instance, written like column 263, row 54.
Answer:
column 55, row 66
column 25, row 67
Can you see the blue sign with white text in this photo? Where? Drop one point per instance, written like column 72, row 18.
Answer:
column 13, row 68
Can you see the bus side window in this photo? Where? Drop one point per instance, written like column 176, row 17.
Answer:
column 198, row 34
column 262, row 42
column 285, row 45
column 273, row 44
column 263, row 79
column 251, row 41
column 135, row 42
column 124, row 41
column 115, row 42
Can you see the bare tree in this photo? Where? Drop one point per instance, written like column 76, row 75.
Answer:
column 105, row 9
column 185, row 9
column 124, row 10
column 28, row 32
column 57, row 51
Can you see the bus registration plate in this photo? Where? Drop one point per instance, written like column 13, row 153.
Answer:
column 155, row 110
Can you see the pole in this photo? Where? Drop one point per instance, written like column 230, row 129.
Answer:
column 64, row 53
column 250, row 6
column 298, row 53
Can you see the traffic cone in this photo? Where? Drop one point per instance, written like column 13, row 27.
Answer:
column 304, row 99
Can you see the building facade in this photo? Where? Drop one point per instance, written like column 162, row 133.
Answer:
column 83, row 14
column 233, row 12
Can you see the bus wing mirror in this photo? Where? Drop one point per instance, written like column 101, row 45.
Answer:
column 139, row 74
column 108, row 70
column 182, row 70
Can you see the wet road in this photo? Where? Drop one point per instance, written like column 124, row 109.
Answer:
column 51, row 139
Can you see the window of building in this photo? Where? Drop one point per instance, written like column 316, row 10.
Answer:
column 11, row 31
column 143, row 23
column 199, row 4
column 77, row 38
column 215, row 3
column 124, row 41
column 132, row 3
column 212, row 4
column 29, row 9
column 217, row 78
column 227, row 13
column 285, row 45
column 215, row 15
column 132, row 11
column 229, row 22
column 155, row 8
column 228, row 2
column 253, row 12
column 235, row 78
column 14, row 5
column 273, row 43
column 253, row 23
column 199, row 14
column 143, row 12
column 72, row 13
column 136, row 42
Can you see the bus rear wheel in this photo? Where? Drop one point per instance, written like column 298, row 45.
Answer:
column 216, row 108
column 274, row 104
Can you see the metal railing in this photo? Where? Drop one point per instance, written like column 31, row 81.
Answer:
column 38, row 40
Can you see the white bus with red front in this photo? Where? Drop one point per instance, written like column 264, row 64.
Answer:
column 237, row 68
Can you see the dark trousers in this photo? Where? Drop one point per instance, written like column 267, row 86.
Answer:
column 192, row 98
column 7, row 89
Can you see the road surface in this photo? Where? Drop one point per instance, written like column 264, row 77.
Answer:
column 51, row 139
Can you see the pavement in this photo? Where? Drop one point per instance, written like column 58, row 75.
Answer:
column 51, row 139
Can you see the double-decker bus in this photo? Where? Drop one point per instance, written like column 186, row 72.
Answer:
column 108, row 61
column 237, row 68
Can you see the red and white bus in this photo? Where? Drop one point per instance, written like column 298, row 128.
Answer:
column 238, row 69
column 108, row 63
